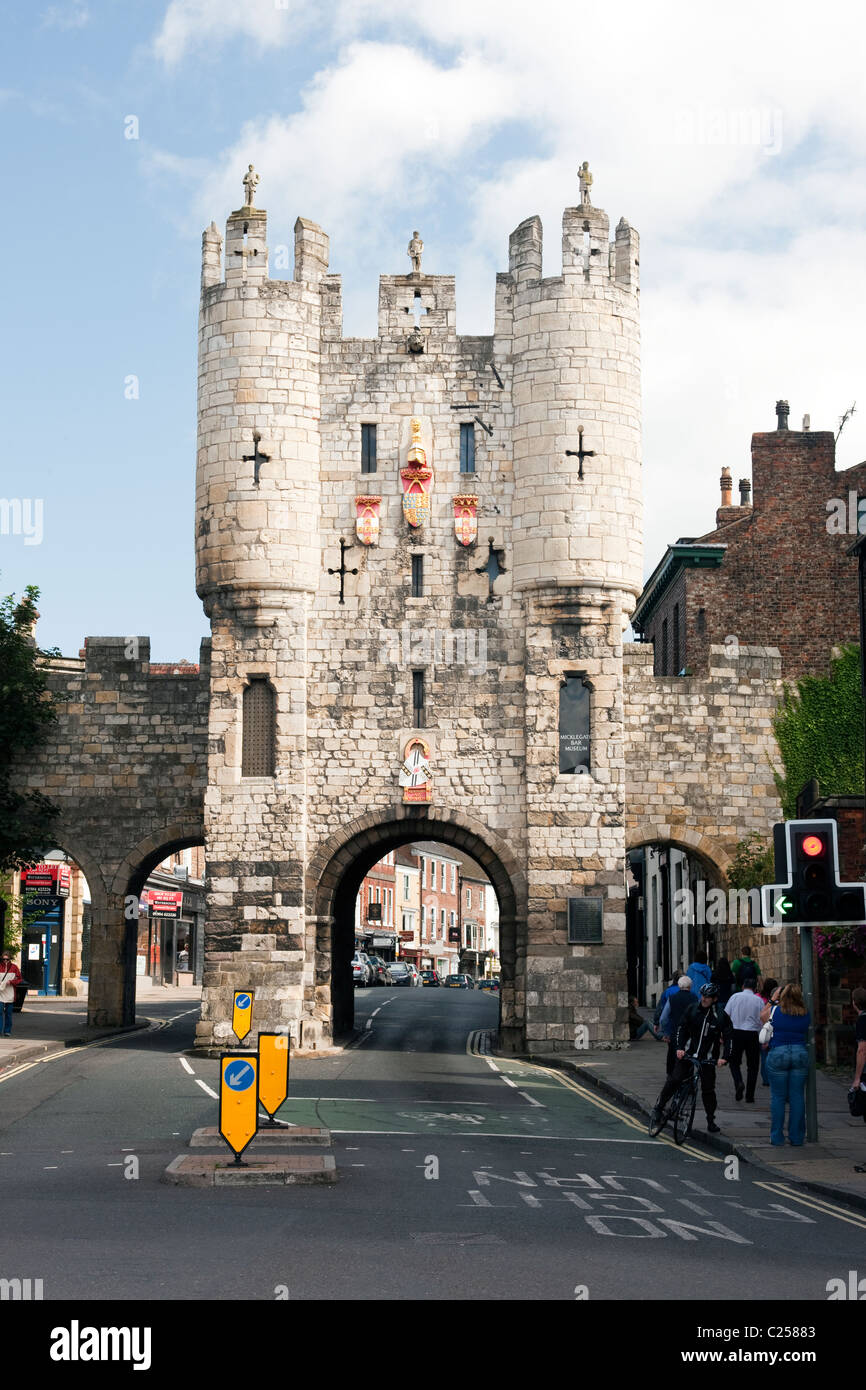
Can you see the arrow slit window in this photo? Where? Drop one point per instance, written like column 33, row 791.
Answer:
column 258, row 755
column 575, row 723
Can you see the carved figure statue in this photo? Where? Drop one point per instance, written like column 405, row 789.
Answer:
column 415, row 251
column 585, row 178
column 251, row 183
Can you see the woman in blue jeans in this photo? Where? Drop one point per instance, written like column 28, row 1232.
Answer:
column 788, row 1065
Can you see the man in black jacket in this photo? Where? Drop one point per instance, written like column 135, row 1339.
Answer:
column 704, row 1032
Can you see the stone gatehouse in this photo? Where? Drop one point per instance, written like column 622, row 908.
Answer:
column 408, row 548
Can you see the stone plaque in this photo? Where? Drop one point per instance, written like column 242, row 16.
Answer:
column 585, row 917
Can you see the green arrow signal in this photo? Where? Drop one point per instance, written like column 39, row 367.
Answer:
column 783, row 905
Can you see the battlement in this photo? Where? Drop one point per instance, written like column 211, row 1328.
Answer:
column 420, row 304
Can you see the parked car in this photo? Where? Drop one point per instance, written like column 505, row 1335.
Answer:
column 381, row 970
column 401, row 974
column 416, row 974
column 430, row 979
column 458, row 982
column 362, row 970
column 490, row 984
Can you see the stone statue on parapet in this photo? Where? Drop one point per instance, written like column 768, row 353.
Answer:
column 585, row 178
column 415, row 251
column 251, row 183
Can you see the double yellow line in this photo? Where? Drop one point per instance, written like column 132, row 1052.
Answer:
column 807, row 1199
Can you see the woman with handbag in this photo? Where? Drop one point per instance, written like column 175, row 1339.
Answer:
column 768, row 990
column 788, row 1065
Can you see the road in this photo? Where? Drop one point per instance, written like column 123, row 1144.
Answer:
column 460, row 1176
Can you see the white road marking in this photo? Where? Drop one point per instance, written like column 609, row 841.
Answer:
column 508, row 1081
column 491, row 1064
column 114, row 1165
column 205, row 1087
column 531, row 1099
column 186, row 1066
column 369, row 1024
column 49, row 1167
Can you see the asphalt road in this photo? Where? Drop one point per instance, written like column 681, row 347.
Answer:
column 460, row 1176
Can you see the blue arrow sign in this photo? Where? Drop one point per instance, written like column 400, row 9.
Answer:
column 243, row 1001
column 240, row 1077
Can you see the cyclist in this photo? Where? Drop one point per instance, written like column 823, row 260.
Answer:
column 706, row 1033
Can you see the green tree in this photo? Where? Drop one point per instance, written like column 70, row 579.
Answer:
column 819, row 730
column 27, row 711
column 753, row 863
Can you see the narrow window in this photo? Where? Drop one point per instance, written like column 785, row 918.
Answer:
column 418, row 699
column 433, row 863
column 664, row 668
column 467, row 448
column 676, row 669
column 453, row 878
column 417, row 576
column 368, row 448
column 259, row 729
column 468, row 897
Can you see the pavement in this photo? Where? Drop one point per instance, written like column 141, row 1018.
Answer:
column 47, row 1024
column 634, row 1075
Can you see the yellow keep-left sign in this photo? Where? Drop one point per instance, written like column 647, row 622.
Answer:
column 273, row 1071
column 239, row 1110
column 242, row 1013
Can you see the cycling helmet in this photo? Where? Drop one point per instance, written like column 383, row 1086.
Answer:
column 709, row 991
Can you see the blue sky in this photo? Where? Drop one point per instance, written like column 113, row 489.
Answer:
column 735, row 147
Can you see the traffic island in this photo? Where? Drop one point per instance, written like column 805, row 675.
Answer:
column 282, row 1137
column 273, row 1170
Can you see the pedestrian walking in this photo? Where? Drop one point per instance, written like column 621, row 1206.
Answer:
column 672, row 1016
column 10, row 976
column 745, row 967
column 705, row 1032
column 657, row 1016
column 788, row 1065
column 699, row 972
column 766, row 992
column 723, row 978
column 744, row 1011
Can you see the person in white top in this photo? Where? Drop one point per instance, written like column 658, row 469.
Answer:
column 744, row 1011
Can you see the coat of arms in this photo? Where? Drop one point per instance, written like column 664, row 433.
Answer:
column 416, row 477
column 466, row 519
column 367, row 519
column 416, row 775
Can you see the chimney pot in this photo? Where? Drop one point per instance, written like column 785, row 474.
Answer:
column 726, row 486
column 782, row 412
column 745, row 492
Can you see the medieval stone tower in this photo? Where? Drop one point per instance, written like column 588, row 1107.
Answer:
column 409, row 547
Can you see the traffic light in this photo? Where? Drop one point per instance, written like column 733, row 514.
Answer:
column 808, row 890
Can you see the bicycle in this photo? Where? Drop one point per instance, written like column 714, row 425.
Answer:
column 681, row 1107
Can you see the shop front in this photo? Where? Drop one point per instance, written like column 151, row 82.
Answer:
column 44, row 895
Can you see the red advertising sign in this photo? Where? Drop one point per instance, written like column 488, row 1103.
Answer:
column 161, row 903
column 51, row 877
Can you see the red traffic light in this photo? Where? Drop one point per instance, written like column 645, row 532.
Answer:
column 813, row 845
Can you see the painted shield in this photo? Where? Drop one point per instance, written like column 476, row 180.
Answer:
column 466, row 519
column 416, row 775
column 367, row 519
column 416, row 497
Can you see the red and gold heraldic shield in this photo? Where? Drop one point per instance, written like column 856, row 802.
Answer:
column 466, row 518
column 367, row 519
column 416, row 495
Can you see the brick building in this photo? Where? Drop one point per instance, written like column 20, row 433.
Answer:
column 774, row 572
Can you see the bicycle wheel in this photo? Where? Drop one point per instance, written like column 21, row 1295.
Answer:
column 684, row 1114
column 657, row 1120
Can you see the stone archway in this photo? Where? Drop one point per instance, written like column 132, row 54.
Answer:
column 335, row 874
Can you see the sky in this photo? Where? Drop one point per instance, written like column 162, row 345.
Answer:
column 731, row 137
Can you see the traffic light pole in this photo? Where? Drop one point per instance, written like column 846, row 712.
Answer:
column 808, row 978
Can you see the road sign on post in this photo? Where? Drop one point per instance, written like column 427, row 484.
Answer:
column 273, row 1073
column 242, row 1013
column 239, row 1110
column 809, row 894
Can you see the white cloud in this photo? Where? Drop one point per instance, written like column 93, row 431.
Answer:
column 732, row 138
